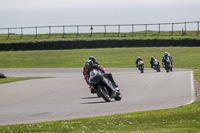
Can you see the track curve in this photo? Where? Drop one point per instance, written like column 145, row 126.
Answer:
column 66, row 95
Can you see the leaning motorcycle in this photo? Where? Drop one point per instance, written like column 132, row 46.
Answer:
column 167, row 64
column 156, row 65
column 103, row 86
column 141, row 66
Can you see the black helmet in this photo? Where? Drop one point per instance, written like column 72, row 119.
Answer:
column 152, row 58
column 88, row 64
column 92, row 58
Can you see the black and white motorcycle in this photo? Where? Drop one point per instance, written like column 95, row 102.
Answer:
column 167, row 64
column 103, row 86
column 156, row 65
column 141, row 66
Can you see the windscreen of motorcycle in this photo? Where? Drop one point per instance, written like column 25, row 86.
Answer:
column 140, row 62
column 156, row 62
column 95, row 77
column 168, row 60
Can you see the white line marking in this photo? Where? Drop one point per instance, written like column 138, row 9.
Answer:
column 193, row 95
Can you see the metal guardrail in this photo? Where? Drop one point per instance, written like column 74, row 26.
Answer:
column 90, row 29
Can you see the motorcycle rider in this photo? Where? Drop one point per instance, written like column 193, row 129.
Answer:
column 89, row 66
column 92, row 58
column 165, row 56
column 138, row 59
column 152, row 61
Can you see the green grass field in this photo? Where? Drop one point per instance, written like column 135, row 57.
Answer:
column 16, row 38
column 14, row 79
column 184, row 119
column 184, row 57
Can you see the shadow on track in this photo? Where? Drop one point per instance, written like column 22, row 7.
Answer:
column 97, row 102
column 89, row 97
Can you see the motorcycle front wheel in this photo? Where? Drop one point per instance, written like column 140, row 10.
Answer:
column 167, row 68
column 142, row 69
column 118, row 96
column 104, row 93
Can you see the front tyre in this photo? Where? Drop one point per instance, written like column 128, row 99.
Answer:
column 167, row 69
column 142, row 69
column 158, row 69
column 118, row 96
column 104, row 93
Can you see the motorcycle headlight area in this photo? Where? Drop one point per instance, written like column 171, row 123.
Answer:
column 93, row 73
column 140, row 62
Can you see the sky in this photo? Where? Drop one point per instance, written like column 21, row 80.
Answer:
column 10, row 5
column 20, row 13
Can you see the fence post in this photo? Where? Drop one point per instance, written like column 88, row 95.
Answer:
column 8, row 33
column 105, row 30
column 35, row 31
column 77, row 31
column 49, row 31
column 132, row 30
column 91, row 28
column 21, row 32
column 172, row 28
column 185, row 29
column 63, row 36
column 118, row 30
column 197, row 28
column 159, row 29
column 145, row 29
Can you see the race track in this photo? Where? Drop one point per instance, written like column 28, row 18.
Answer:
column 67, row 96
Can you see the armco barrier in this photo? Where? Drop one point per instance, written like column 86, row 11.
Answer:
column 79, row 44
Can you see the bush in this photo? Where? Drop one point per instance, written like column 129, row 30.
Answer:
column 2, row 75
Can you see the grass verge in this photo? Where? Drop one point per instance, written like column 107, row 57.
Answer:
column 14, row 79
column 17, row 38
column 184, row 119
column 184, row 57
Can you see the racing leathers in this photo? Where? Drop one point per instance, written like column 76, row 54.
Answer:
column 86, row 73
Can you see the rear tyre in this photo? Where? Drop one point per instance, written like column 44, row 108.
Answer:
column 104, row 94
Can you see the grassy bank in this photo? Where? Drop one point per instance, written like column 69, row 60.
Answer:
column 185, row 119
column 16, row 38
column 184, row 57
column 13, row 79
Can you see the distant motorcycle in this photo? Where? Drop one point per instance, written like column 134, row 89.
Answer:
column 156, row 65
column 141, row 66
column 167, row 64
column 103, row 86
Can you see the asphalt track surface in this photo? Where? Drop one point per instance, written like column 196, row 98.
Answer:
column 67, row 96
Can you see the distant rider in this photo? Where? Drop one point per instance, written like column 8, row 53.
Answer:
column 152, row 61
column 138, row 59
column 165, row 56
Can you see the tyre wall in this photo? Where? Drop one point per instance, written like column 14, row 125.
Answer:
column 99, row 44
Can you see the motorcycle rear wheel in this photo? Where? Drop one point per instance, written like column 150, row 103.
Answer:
column 104, row 94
